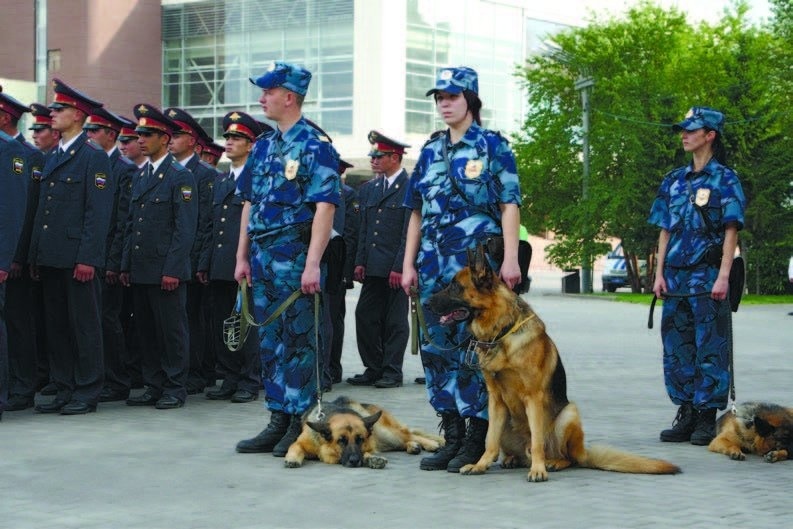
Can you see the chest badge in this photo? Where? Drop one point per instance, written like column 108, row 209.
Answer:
column 703, row 196
column 290, row 171
column 473, row 168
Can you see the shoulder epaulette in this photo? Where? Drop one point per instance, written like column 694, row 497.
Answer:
column 94, row 145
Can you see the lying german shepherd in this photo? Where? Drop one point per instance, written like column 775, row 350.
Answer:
column 352, row 433
column 531, row 419
column 755, row 428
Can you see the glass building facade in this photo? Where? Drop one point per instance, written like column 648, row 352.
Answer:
column 212, row 47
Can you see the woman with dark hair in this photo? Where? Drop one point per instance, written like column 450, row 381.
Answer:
column 699, row 209
column 463, row 190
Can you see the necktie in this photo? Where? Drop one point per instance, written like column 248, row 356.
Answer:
column 385, row 185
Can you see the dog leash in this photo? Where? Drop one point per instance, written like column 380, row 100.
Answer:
column 420, row 323
column 233, row 327
column 730, row 355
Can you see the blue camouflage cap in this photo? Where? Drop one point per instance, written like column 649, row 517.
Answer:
column 286, row 75
column 699, row 117
column 455, row 80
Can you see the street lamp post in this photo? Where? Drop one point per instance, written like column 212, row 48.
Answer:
column 584, row 85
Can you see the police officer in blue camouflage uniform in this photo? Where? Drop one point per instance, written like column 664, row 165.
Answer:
column 103, row 128
column 241, row 370
column 14, row 181
column 291, row 190
column 68, row 252
column 699, row 209
column 158, row 238
column 463, row 190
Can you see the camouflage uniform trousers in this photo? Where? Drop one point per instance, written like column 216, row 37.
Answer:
column 695, row 335
column 287, row 346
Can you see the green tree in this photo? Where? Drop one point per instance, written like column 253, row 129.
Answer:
column 649, row 68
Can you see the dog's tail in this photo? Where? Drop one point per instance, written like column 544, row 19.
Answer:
column 608, row 458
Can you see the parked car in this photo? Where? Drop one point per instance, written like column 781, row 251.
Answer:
column 615, row 272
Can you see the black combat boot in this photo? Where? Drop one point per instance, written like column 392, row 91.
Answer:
column 705, row 429
column 473, row 445
column 453, row 427
column 290, row 436
column 683, row 425
column 267, row 438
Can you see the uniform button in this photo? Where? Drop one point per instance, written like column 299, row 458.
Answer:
column 375, row 233
column 68, row 179
column 373, row 245
column 137, row 233
column 52, row 184
column 377, row 221
column 220, row 245
column 225, row 206
column 49, row 197
column 140, row 219
column 45, row 226
column 142, row 205
column 380, row 210
column 220, row 232
column 156, row 199
column 222, row 219
column 46, row 212
column 137, row 247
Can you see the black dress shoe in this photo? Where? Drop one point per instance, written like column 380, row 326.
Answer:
column 113, row 395
column 194, row 389
column 77, row 407
column 362, row 380
column 145, row 399
column 168, row 402
column 49, row 389
column 385, row 383
column 54, row 406
column 220, row 394
column 18, row 403
column 243, row 395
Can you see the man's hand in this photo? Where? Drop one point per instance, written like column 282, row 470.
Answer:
column 16, row 271
column 169, row 283
column 111, row 277
column 359, row 274
column 510, row 273
column 123, row 278
column 34, row 272
column 409, row 278
column 202, row 277
column 309, row 281
column 243, row 271
column 659, row 287
column 395, row 280
column 83, row 273
column 3, row 276
column 720, row 287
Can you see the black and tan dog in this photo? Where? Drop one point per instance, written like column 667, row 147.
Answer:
column 531, row 420
column 353, row 433
column 755, row 428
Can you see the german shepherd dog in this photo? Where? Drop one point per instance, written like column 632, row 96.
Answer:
column 755, row 428
column 352, row 433
column 531, row 420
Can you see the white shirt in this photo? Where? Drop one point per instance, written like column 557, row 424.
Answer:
column 156, row 164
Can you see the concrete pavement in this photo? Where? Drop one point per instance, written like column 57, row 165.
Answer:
column 131, row 468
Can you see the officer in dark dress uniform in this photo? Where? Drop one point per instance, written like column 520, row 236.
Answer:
column 20, row 305
column 381, row 316
column 67, row 251
column 341, row 255
column 103, row 128
column 182, row 147
column 14, row 181
column 241, row 370
column 156, row 261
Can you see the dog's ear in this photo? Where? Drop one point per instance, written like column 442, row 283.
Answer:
column 322, row 428
column 481, row 273
column 763, row 427
column 370, row 421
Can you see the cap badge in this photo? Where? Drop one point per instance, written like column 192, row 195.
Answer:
column 143, row 109
column 446, row 75
column 290, row 171
column 473, row 168
column 234, row 117
column 172, row 113
column 690, row 113
column 271, row 67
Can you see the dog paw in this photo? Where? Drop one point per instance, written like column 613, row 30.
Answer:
column 413, row 448
column 738, row 455
column 376, row 462
column 472, row 470
column 537, row 476
column 292, row 464
column 773, row 456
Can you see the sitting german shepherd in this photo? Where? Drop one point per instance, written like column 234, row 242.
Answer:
column 755, row 428
column 531, row 419
column 351, row 433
